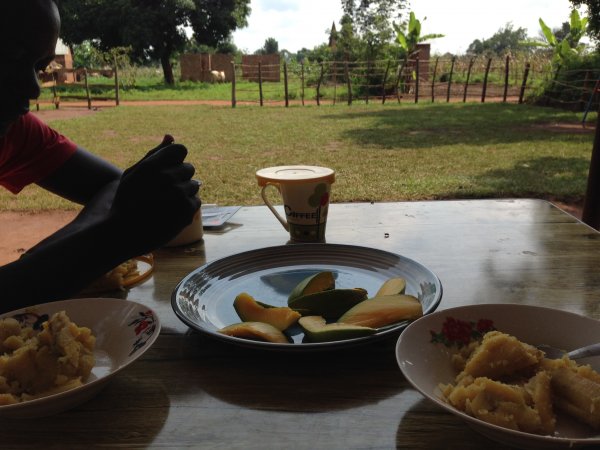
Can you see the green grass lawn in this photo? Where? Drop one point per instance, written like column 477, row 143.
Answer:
column 380, row 153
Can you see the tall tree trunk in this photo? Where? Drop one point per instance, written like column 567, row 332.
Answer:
column 167, row 69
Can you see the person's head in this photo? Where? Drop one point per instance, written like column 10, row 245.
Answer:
column 28, row 34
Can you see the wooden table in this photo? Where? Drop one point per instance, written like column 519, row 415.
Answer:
column 190, row 391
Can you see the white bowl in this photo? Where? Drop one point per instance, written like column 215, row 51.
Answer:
column 124, row 330
column 425, row 364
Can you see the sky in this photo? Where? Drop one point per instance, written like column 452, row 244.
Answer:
column 304, row 23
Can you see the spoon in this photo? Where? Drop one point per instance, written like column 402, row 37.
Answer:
column 583, row 352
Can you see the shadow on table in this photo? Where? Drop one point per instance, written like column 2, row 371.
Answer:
column 131, row 410
column 450, row 432
column 299, row 382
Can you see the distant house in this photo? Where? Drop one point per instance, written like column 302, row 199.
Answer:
column 63, row 60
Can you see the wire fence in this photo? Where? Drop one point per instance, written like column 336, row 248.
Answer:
column 412, row 81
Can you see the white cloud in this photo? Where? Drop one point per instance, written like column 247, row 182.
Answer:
column 304, row 23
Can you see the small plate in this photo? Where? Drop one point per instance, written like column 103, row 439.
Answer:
column 425, row 364
column 124, row 330
column 203, row 300
column 145, row 268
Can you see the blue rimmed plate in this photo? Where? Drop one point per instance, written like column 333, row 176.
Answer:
column 203, row 300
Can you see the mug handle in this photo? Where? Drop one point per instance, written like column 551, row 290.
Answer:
column 270, row 206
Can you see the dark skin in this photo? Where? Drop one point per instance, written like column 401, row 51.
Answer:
column 125, row 214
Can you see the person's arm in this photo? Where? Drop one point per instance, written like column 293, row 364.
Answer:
column 153, row 201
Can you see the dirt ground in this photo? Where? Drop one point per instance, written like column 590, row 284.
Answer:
column 20, row 231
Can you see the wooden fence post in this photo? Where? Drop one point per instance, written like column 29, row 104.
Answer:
column 368, row 81
column 433, row 80
column 285, row 84
column 506, row 76
column 319, row 87
column 87, row 88
column 233, row 99
column 116, row 81
column 450, row 79
column 302, row 81
column 586, row 81
column 398, row 77
column 467, row 80
column 591, row 204
column 349, row 84
column 485, row 79
column 385, row 75
column 418, row 76
column 260, row 90
column 524, row 83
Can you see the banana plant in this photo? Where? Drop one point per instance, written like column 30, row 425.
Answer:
column 409, row 35
column 568, row 46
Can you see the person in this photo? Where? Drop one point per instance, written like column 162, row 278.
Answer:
column 124, row 214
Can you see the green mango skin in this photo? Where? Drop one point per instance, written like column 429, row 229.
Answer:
column 321, row 281
column 330, row 304
column 317, row 330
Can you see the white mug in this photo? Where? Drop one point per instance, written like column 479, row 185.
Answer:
column 305, row 191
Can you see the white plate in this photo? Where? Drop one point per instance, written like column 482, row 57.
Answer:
column 203, row 300
column 425, row 365
column 124, row 330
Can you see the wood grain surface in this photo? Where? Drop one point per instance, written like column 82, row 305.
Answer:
column 189, row 391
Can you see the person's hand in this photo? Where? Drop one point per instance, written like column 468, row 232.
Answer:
column 156, row 197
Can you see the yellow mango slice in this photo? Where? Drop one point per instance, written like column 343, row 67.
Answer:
column 384, row 310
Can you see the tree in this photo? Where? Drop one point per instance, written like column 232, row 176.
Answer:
column 593, row 11
column 271, row 46
column 504, row 40
column 372, row 21
column 154, row 29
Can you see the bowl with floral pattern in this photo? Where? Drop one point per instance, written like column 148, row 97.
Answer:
column 124, row 330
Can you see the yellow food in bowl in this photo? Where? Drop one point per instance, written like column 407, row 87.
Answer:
column 37, row 363
column 509, row 383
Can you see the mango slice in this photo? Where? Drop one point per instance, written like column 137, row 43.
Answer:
column 330, row 304
column 250, row 310
column 316, row 329
column 256, row 331
column 392, row 286
column 384, row 310
column 321, row 281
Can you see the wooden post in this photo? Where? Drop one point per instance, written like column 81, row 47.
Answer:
column 319, row 87
column 524, row 83
column 398, row 77
column 586, row 81
column 450, row 79
column 302, row 82
column 467, row 80
column 260, row 90
column 506, row 76
column 233, row 98
column 485, row 79
column 385, row 75
column 591, row 204
column 433, row 80
column 418, row 76
column 87, row 88
column 285, row 83
column 368, row 82
column 349, row 84
column 116, row 81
